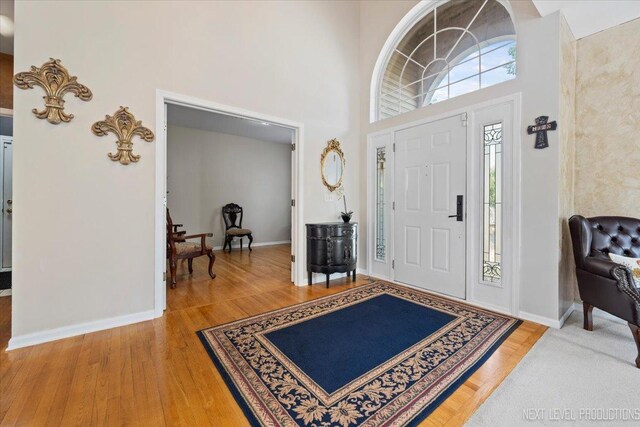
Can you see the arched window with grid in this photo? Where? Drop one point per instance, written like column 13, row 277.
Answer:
column 457, row 47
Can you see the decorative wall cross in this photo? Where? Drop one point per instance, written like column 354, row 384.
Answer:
column 124, row 125
column 540, row 129
column 56, row 82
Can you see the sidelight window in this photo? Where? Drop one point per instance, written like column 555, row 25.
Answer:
column 492, row 203
column 381, row 246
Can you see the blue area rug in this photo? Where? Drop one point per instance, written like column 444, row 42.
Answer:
column 379, row 354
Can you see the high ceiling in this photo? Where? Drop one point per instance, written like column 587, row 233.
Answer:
column 586, row 17
column 6, row 26
column 188, row 117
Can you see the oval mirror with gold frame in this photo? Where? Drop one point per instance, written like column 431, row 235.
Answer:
column 332, row 165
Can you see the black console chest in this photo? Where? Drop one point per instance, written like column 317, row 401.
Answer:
column 332, row 248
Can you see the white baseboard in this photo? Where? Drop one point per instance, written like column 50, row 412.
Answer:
column 321, row 277
column 488, row 306
column 5, row 293
column 380, row 277
column 599, row 313
column 254, row 245
column 34, row 338
column 546, row 321
column 566, row 315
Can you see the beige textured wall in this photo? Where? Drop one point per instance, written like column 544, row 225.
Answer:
column 608, row 122
column 207, row 170
column 84, row 225
column 566, row 133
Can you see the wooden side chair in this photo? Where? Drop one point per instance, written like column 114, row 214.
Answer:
column 232, row 213
column 179, row 248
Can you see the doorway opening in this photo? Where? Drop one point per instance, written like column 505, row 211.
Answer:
column 232, row 177
column 6, row 156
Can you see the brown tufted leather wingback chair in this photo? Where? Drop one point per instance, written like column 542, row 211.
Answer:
column 602, row 282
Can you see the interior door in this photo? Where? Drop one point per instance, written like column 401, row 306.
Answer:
column 430, row 194
column 7, row 195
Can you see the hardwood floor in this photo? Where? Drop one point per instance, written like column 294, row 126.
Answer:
column 157, row 372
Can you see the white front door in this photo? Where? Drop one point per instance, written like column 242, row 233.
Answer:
column 430, row 190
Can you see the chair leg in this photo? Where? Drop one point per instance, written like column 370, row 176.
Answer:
column 230, row 240
column 190, row 265
column 635, row 331
column 172, row 271
column 310, row 277
column 588, row 316
column 327, row 280
column 224, row 247
column 241, row 244
column 353, row 279
column 250, row 241
column 212, row 259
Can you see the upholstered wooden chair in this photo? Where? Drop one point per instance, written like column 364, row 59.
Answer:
column 179, row 248
column 602, row 282
column 232, row 213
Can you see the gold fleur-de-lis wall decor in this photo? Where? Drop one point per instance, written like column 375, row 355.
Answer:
column 56, row 82
column 123, row 124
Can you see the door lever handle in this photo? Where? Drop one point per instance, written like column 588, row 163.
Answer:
column 459, row 208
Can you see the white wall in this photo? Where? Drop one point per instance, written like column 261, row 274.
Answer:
column 84, row 228
column 538, row 82
column 207, row 170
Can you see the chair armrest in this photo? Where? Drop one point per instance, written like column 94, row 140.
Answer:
column 618, row 272
column 197, row 236
column 626, row 283
column 203, row 243
column 600, row 266
column 176, row 226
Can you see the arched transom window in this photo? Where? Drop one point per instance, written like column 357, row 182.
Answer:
column 458, row 47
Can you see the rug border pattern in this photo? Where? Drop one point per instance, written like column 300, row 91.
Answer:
column 407, row 408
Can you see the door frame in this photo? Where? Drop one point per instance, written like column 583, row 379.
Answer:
column 3, row 140
column 511, row 163
column 160, row 201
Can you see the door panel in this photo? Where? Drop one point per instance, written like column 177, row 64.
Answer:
column 412, row 188
column 440, row 187
column 430, row 170
column 440, row 239
column 440, row 139
column 412, row 245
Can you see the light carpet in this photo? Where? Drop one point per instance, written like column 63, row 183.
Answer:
column 571, row 377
